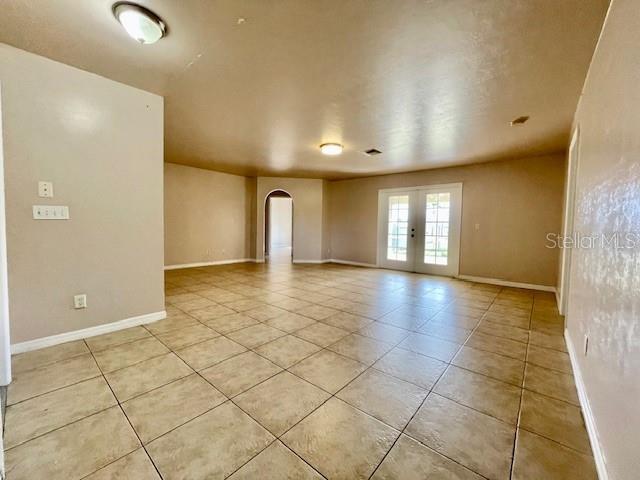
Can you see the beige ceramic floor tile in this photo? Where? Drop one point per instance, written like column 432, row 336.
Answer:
column 500, row 345
column 287, row 351
column 208, row 353
column 243, row 305
column 187, row 336
column 281, row 402
column 519, row 322
column 554, row 419
column 548, row 358
column 409, row 460
column 39, row 358
column 75, row 450
column 505, row 369
column 537, row 457
column 505, row 331
column 411, row 367
column 495, row 398
column 231, row 323
column 155, row 413
column 171, row 323
column 430, row 346
column 239, row 373
column 135, row 466
column 181, row 298
column 144, row 376
column 211, row 312
column 255, row 335
column 265, row 312
column 328, row 370
column 317, row 312
column 30, row 383
column 340, row 441
column 347, row 321
column 233, row 438
column 321, row 334
column 291, row 304
column 445, row 332
column 276, row 462
column 108, row 340
column 198, row 304
column 453, row 320
column 555, row 342
column 363, row 349
column 129, row 354
column 389, row 399
column 477, row 441
column 551, row 383
column 290, row 322
column 47, row 412
column 383, row 332
column 401, row 320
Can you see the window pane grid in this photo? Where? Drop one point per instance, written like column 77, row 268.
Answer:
column 397, row 228
column 436, row 230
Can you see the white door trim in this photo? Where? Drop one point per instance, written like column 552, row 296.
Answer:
column 5, row 344
column 568, row 222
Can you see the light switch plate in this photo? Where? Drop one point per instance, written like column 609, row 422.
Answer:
column 50, row 212
column 45, row 189
column 80, row 301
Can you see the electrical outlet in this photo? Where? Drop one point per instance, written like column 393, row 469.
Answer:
column 586, row 345
column 45, row 189
column 80, row 301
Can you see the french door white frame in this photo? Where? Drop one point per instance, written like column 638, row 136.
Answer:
column 417, row 223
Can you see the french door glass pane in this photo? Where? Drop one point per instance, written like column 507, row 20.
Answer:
column 397, row 227
column 436, row 237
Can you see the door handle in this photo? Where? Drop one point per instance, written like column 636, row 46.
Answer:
column 413, row 232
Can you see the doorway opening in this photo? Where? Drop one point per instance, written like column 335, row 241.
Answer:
column 278, row 227
column 419, row 229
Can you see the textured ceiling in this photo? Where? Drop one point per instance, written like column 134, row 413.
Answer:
column 429, row 83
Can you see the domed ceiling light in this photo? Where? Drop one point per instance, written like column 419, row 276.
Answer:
column 140, row 23
column 331, row 148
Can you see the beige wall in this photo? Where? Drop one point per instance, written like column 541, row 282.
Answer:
column 604, row 295
column 307, row 215
column 100, row 143
column 207, row 215
column 515, row 202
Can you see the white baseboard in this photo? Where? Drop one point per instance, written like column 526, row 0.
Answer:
column 587, row 413
column 355, row 264
column 558, row 302
column 86, row 332
column 309, row 261
column 506, row 283
column 208, row 264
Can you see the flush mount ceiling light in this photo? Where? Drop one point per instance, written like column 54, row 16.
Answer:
column 331, row 148
column 519, row 121
column 140, row 23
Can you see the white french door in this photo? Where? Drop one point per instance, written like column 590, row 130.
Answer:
column 419, row 229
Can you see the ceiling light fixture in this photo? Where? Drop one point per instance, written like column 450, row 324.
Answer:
column 140, row 23
column 331, row 148
column 519, row 121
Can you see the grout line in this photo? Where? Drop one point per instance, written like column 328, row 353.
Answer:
column 119, row 404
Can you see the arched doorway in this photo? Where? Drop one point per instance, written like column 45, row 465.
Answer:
column 278, row 227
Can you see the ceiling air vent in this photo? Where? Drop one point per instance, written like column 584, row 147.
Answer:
column 519, row 120
column 372, row 151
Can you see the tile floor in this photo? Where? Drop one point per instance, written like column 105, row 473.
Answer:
column 307, row 372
